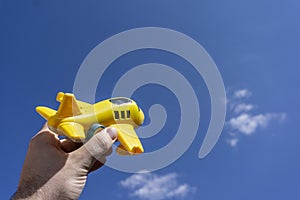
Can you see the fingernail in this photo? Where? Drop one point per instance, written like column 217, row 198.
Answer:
column 112, row 132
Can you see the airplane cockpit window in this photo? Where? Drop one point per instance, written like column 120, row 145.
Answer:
column 123, row 114
column 128, row 113
column 119, row 101
column 117, row 115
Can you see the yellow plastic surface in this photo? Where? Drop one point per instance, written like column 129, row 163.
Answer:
column 74, row 118
column 128, row 138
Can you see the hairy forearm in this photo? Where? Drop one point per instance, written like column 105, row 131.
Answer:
column 33, row 190
column 58, row 187
column 40, row 194
column 27, row 194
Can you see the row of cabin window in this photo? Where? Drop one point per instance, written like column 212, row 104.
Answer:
column 117, row 115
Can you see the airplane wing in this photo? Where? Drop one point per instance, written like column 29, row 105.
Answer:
column 122, row 151
column 128, row 139
column 72, row 130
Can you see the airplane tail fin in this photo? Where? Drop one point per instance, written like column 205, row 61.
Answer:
column 68, row 105
column 45, row 112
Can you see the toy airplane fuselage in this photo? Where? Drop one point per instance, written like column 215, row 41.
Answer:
column 75, row 119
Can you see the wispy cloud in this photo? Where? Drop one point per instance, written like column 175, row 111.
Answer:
column 150, row 186
column 243, row 93
column 247, row 123
column 233, row 141
column 243, row 107
column 243, row 120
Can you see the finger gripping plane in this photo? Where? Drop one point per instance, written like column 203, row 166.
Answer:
column 79, row 120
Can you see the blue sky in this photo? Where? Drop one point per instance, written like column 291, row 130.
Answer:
column 255, row 45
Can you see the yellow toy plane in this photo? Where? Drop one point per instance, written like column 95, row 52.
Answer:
column 79, row 120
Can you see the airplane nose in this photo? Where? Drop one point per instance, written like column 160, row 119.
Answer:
column 140, row 116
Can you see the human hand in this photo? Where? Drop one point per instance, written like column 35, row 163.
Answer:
column 58, row 169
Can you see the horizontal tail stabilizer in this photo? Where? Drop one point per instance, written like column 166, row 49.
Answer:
column 45, row 112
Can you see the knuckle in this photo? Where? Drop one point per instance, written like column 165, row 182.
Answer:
column 103, row 142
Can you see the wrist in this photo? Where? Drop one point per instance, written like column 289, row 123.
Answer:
column 27, row 194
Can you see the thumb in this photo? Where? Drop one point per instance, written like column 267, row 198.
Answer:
column 96, row 147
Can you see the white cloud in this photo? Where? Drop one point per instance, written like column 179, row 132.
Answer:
column 242, row 107
column 242, row 93
column 242, row 120
column 281, row 117
column 233, row 142
column 247, row 124
column 149, row 186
